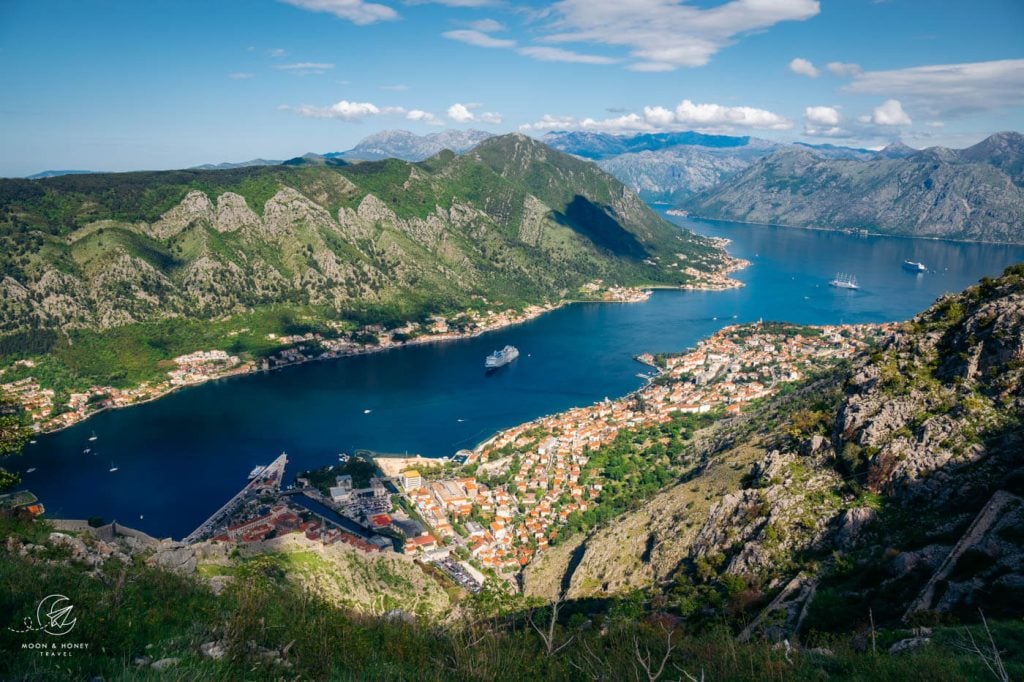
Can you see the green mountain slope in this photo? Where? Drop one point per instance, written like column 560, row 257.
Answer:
column 975, row 193
column 509, row 224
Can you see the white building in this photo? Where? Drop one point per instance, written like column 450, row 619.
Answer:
column 410, row 480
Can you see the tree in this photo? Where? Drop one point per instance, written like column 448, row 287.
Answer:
column 14, row 432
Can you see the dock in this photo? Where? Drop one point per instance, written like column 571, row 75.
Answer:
column 270, row 477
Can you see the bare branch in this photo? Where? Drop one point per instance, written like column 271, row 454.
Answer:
column 991, row 657
column 646, row 660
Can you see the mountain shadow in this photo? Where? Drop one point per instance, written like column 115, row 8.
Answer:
column 594, row 223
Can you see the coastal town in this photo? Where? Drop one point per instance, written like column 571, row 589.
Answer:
column 544, row 461
column 50, row 412
column 492, row 510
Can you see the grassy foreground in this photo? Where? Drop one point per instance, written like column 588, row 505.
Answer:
column 271, row 629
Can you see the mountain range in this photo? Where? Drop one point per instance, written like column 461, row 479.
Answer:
column 510, row 223
column 975, row 193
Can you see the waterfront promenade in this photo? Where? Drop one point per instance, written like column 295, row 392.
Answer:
column 270, row 477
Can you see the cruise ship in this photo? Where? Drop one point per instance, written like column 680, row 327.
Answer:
column 844, row 281
column 914, row 266
column 500, row 358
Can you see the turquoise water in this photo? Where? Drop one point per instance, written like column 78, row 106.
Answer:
column 181, row 457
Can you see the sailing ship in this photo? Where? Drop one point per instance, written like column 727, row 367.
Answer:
column 844, row 281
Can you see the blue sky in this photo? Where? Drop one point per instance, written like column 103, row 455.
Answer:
column 117, row 85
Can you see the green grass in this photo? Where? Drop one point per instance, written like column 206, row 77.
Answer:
column 143, row 611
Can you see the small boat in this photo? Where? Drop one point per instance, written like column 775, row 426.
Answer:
column 256, row 471
column 367, row 411
column 844, row 281
column 914, row 266
column 86, row 451
column 32, row 442
column 112, row 468
column 30, row 470
column 93, row 436
column 460, row 420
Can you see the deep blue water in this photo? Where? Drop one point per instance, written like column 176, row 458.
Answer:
column 181, row 457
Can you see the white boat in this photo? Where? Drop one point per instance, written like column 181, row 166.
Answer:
column 367, row 411
column 914, row 266
column 112, row 468
column 844, row 281
column 30, row 470
column 86, row 451
column 93, row 436
column 500, row 358
column 256, row 471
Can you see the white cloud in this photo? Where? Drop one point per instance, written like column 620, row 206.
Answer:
column 463, row 113
column 825, row 116
column 460, row 113
column 549, row 122
column 685, row 116
column 821, row 121
column 487, row 25
column 421, row 116
column 305, row 68
column 277, row 52
column 712, row 115
column 344, row 110
column 659, row 116
column 240, row 76
column 662, row 35
column 356, row 11
column 888, row 113
column 455, row 3
column 844, row 69
column 478, row 38
column 803, row 67
column 945, row 90
column 557, row 54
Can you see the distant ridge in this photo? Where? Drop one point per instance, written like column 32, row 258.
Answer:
column 407, row 146
column 975, row 193
column 241, row 164
column 56, row 173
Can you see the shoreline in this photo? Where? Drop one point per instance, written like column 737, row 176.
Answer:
column 531, row 313
column 852, row 232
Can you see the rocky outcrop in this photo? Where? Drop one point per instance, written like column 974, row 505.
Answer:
column 195, row 208
column 174, row 556
column 233, row 213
